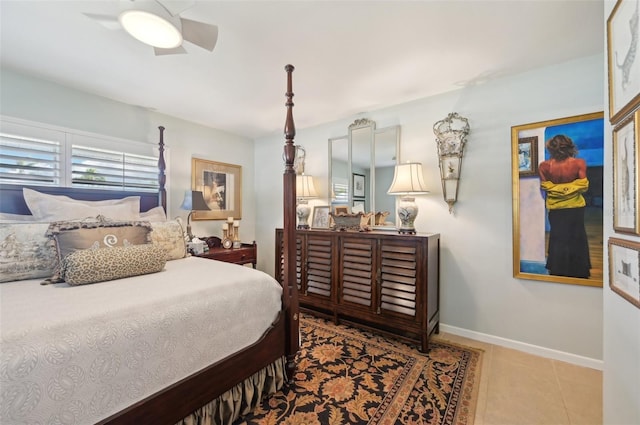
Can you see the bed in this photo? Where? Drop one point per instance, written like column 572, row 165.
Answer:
column 157, row 348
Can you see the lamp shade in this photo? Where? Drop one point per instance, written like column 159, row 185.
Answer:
column 304, row 187
column 408, row 179
column 150, row 28
column 194, row 201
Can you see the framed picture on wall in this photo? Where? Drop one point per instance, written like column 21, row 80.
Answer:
column 557, row 212
column 625, row 175
column 623, row 35
column 221, row 186
column 528, row 156
column 358, row 186
column 624, row 269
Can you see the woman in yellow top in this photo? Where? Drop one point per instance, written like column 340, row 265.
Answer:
column 564, row 179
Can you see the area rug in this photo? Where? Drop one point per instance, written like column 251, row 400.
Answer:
column 348, row 376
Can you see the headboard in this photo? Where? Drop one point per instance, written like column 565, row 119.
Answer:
column 12, row 200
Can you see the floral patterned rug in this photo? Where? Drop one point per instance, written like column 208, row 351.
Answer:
column 348, row 376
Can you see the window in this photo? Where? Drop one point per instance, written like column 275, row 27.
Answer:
column 46, row 157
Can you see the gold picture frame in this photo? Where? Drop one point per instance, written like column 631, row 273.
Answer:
column 530, row 215
column 623, row 62
column 221, row 187
column 626, row 204
column 624, row 269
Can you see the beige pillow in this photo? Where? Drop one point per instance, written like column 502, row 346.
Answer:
column 170, row 236
column 45, row 207
column 102, row 264
column 25, row 252
column 154, row 214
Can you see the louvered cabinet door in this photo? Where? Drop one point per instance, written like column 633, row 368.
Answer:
column 357, row 271
column 318, row 265
column 399, row 279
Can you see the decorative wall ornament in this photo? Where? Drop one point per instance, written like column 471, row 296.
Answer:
column 451, row 134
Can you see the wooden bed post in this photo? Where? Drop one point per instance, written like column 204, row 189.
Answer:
column 290, row 288
column 162, row 178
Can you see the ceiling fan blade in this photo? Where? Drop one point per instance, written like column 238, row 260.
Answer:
column 199, row 33
column 107, row 21
column 175, row 51
column 175, row 7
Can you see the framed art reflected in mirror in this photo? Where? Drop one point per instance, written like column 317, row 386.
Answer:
column 557, row 212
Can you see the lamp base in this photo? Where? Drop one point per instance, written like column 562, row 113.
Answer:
column 407, row 211
column 302, row 211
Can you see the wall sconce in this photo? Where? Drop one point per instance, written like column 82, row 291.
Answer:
column 451, row 134
column 407, row 181
column 305, row 190
column 193, row 201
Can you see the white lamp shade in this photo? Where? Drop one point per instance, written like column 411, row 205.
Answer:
column 304, row 187
column 408, row 180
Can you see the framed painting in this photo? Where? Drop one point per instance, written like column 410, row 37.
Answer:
column 320, row 217
column 623, row 37
column 358, row 186
column 624, row 269
column 221, row 187
column 342, row 209
column 528, row 156
column 557, row 212
column 625, row 175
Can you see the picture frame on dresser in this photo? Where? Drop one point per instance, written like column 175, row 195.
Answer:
column 626, row 160
column 321, row 218
column 531, row 225
column 624, row 269
column 221, row 187
column 623, row 38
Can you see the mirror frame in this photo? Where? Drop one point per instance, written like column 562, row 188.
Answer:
column 358, row 124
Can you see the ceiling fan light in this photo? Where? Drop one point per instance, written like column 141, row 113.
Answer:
column 150, row 29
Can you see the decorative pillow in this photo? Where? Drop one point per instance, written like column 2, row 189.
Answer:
column 45, row 207
column 170, row 236
column 70, row 236
column 102, row 264
column 25, row 252
column 154, row 214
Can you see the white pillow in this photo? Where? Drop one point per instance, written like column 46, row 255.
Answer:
column 45, row 207
column 16, row 218
column 154, row 214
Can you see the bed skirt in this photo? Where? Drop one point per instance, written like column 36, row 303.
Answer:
column 240, row 399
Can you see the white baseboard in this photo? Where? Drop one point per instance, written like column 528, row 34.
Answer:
column 523, row 346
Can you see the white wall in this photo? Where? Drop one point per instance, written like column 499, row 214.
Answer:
column 29, row 98
column 478, row 293
column 621, row 339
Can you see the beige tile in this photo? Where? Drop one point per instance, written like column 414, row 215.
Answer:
column 582, row 392
column 523, row 389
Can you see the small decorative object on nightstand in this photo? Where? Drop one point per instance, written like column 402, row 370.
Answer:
column 247, row 253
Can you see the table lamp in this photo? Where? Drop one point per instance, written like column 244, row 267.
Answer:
column 193, row 201
column 305, row 190
column 407, row 182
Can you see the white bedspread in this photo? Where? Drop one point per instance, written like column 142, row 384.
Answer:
column 76, row 355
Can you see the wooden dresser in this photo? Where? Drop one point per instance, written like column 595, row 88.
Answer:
column 380, row 280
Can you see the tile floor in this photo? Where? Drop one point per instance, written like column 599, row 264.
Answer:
column 518, row 388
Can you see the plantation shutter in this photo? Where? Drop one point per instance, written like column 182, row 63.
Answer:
column 29, row 160
column 91, row 167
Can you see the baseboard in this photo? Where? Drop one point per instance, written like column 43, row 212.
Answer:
column 523, row 346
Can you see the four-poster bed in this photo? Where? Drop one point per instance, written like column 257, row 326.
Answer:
column 182, row 401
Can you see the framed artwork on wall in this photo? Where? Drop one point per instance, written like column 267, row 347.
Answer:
column 624, row 269
column 557, row 212
column 625, row 175
column 623, row 37
column 358, row 186
column 528, row 156
column 221, row 186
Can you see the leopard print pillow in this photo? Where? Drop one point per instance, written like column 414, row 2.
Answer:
column 102, row 264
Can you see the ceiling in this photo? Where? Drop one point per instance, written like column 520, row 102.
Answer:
column 350, row 56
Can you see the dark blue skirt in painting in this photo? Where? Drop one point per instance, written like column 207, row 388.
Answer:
column 568, row 253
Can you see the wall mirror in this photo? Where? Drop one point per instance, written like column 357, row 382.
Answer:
column 361, row 170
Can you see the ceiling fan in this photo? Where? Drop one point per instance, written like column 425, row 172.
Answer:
column 158, row 24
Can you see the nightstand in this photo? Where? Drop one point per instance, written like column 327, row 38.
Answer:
column 246, row 254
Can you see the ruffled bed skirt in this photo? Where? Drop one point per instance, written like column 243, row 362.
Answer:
column 241, row 399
